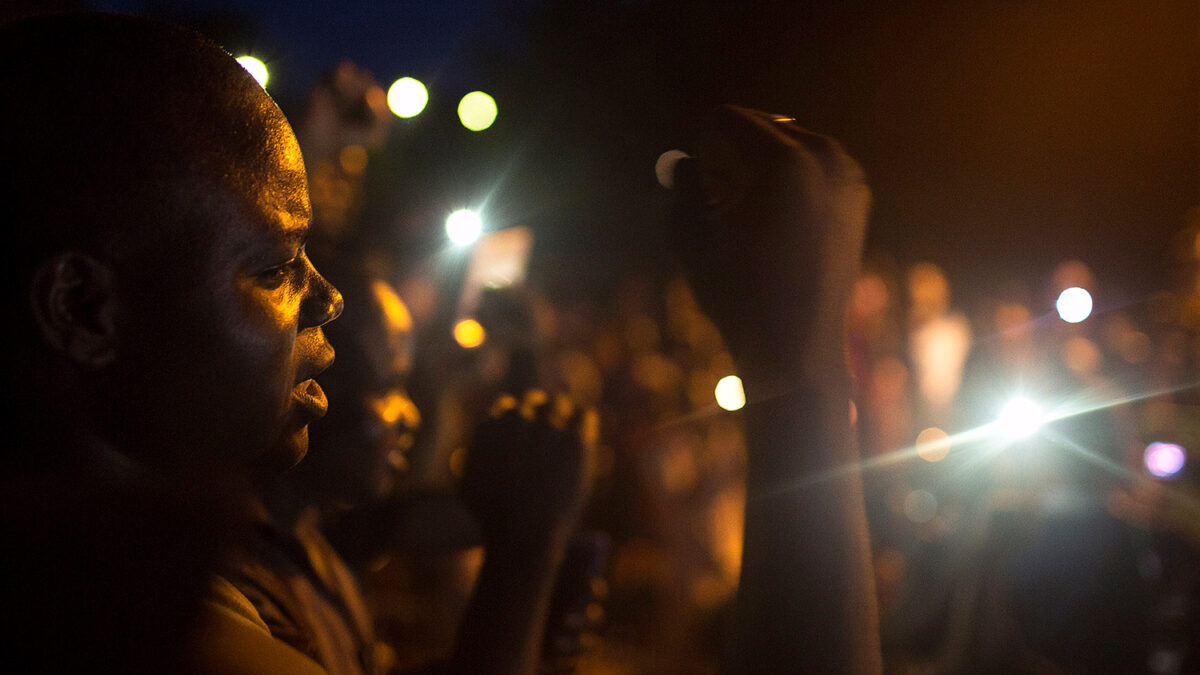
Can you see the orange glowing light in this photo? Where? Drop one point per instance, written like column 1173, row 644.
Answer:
column 396, row 407
column 469, row 334
column 933, row 444
column 394, row 310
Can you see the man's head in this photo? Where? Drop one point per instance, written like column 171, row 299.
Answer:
column 359, row 449
column 157, row 210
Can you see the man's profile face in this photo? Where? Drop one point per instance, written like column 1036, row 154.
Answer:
column 232, row 316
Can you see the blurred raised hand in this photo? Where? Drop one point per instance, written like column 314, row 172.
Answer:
column 525, row 479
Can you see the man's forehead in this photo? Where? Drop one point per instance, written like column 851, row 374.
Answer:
column 275, row 184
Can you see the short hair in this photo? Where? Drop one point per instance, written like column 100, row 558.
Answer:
column 115, row 128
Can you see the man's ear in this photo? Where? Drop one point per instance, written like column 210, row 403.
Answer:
column 74, row 306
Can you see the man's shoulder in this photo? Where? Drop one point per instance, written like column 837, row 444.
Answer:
column 225, row 598
column 231, row 637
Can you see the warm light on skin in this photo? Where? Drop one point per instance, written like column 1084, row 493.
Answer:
column 256, row 68
column 729, row 393
column 1164, row 460
column 469, row 334
column 464, row 227
column 933, row 444
column 1074, row 304
column 1019, row 418
column 477, row 111
column 407, row 97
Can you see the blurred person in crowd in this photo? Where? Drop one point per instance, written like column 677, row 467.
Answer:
column 167, row 333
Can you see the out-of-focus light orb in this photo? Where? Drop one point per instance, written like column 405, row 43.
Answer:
column 256, row 68
column 920, row 506
column 469, row 334
column 1019, row 418
column 407, row 97
column 477, row 111
column 933, row 444
column 729, row 393
column 1164, row 460
column 1074, row 304
column 464, row 227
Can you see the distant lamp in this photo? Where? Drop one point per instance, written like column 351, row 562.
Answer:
column 1019, row 418
column 1164, row 460
column 1074, row 304
column 469, row 334
column 729, row 393
column 464, row 227
column 256, row 68
column 407, row 97
column 477, row 111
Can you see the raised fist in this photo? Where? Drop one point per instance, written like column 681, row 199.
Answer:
column 526, row 473
column 769, row 222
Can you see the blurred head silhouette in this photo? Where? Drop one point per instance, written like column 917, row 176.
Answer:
column 358, row 450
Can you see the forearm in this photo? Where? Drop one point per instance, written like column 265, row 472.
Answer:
column 502, row 629
column 806, row 601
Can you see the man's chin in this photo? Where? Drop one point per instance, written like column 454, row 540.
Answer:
column 287, row 452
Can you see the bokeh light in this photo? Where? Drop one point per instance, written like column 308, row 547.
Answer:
column 469, row 334
column 256, row 68
column 920, row 506
column 477, row 111
column 464, row 227
column 1164, row 460
column 729, row 393
column 1019, row 418
column 933, row 444
column 1074, row 304
column 407, row 97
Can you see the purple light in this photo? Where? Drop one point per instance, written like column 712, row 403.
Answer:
column 1164, row 460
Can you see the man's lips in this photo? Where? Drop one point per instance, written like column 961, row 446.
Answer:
column 311, row 399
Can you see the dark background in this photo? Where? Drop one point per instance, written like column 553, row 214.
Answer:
column 1000, row 137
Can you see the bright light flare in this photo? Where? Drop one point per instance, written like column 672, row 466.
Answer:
column 407, row 97
column 464, row 227
column 1019, row 418
column 469, row 334
column 1164, row 460
column 256, row 68
column 1074, row 304
column 477, row 111
column 729, row 393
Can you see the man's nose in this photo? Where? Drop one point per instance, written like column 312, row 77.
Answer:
column 324, row 302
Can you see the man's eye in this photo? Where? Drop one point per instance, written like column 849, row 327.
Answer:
column 272, row 277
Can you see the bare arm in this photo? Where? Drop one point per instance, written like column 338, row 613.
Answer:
column 525, row 482
column 771, row 220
